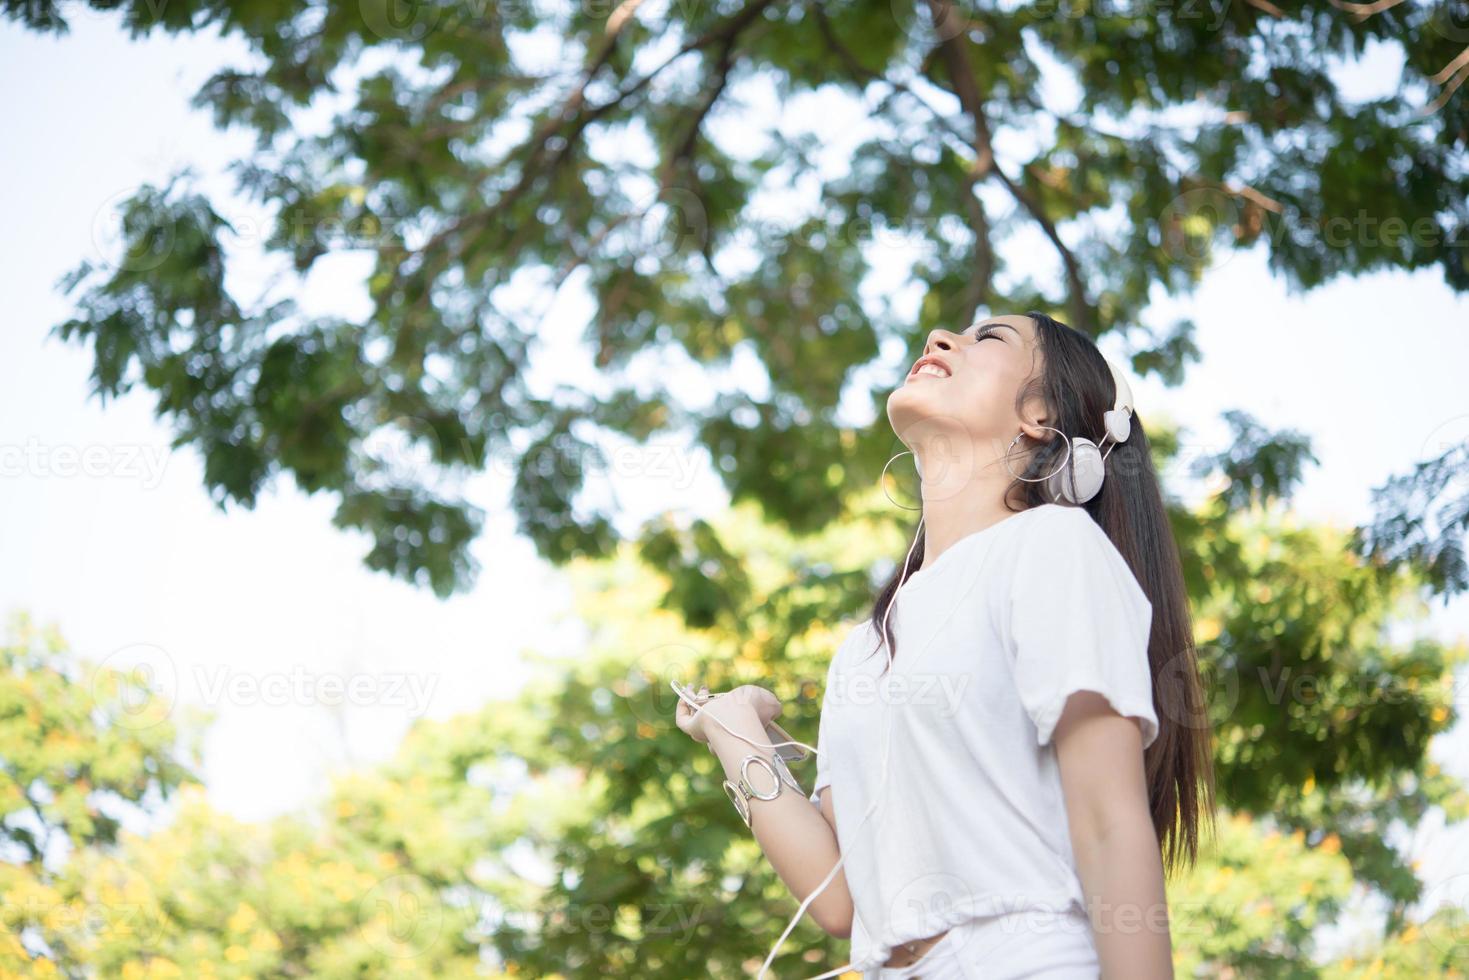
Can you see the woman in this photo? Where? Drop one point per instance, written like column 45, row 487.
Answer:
column 1037, row 694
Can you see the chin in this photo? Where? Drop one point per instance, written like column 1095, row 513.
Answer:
column 909, row 404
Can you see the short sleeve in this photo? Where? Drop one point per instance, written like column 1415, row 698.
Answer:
column 823, row 747
column 1079, row 621
column 823, row 768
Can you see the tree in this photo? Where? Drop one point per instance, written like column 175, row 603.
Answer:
column 187, row 891
column 82, row 749
column 473, row 173
column 573, row 831
column 484, row 150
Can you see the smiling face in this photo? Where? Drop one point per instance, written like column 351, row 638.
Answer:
column 970, row 381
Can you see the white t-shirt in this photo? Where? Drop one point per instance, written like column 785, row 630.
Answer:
column 991, row 639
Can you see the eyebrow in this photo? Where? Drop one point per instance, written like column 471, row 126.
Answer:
column 981, row 326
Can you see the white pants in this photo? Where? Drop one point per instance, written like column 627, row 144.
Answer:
column 1013, row 946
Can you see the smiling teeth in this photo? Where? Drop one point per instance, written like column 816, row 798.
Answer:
column 934, row 370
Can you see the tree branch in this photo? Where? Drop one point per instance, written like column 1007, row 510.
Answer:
column 1361, row 11
column 531, row 170
column 956, row 59
column 729, row 35
column 538, row 141
column 1364, row 10
column 1452, row 68
column 984, row 256
column 1076, row 287
column 1446, row 94
column 685, row 149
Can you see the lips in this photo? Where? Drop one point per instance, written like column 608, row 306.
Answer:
column 930, row 366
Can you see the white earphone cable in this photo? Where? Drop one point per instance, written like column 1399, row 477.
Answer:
column 882, row 780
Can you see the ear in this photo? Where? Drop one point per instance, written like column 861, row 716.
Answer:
column 1037, row 433
column 1035, row 426
column 1035, row 415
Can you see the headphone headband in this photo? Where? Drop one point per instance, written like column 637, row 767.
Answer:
column 1080, row 478
column 1118, row 421
column 1124, row 390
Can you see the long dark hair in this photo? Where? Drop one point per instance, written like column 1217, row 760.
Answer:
column 1077, row 387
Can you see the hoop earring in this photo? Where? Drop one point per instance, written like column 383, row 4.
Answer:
column 882, row 482
column 1041, row 479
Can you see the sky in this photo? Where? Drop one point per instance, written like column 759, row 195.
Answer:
column 312, row 663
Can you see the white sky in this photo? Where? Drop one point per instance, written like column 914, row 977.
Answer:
column 136, row 561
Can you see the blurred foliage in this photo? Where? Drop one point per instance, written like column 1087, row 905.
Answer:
column 1423, row 515
column 1322, row 692
column 1051, row 154
column 82, row 749
column 356, row 891
column 572, row 831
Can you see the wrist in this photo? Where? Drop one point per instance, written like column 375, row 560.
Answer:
column 728, row 745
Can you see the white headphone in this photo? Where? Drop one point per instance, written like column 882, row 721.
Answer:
column 1079, row 477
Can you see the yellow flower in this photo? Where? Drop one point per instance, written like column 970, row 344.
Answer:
column 242, row 919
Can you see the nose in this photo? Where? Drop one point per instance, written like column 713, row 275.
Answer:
column 940, row 339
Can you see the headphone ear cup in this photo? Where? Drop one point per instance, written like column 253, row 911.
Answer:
column 1119, row 424
column 1085, row 469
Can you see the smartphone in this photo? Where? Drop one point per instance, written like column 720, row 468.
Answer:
column 788, row 753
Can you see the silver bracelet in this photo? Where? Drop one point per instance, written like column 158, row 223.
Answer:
column 785, row 773
column 741, row 793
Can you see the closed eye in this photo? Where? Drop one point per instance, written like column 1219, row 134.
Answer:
column 992, row 330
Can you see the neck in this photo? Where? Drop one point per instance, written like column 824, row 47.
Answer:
column 964, row 490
